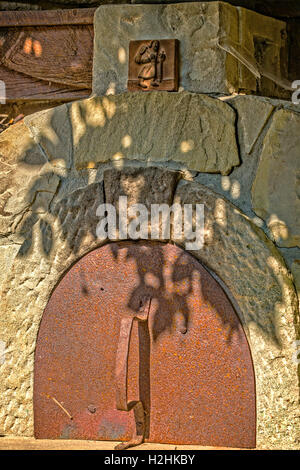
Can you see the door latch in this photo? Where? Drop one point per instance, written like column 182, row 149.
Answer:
column 121, row 373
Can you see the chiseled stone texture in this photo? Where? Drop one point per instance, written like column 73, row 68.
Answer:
column 51, row 129
column 51, row 243
column 252, row 128
column 25, row 176
column 213, row 37
column 253, row 114
column 296, row 274
column 276, row 189
column 196, row 131
column 140, row 185
column 253, row 270
column 192, row 131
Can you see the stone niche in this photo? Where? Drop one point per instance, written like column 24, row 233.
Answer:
column 57, row 166
column 223, row 49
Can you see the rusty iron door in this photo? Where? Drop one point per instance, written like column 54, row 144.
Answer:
column 139, row 342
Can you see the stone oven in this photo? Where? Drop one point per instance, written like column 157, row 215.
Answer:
column 223, row 319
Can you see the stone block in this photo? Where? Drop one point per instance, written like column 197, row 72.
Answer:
column 196, row 132
column 276, row 189
column 223, row 49
column 140, row 185
column 51, row 130
column 253, row 114
column 296, row 274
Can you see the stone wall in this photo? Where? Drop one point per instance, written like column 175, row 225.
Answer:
column 222, row 49
column 276, row 8
column 266, row 185
column 270, row 7
column 238, row 155
column 58, row 165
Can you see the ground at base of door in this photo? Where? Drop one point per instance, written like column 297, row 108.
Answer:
column 28, row 443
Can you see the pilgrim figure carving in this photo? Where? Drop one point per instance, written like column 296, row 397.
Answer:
column 151, row 58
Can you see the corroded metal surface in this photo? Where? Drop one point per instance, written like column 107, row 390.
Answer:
column 189, row 365
column 122, row 375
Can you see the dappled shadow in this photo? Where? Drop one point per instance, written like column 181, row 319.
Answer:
column 178, row 286
column 180, row 291
column 53, row 212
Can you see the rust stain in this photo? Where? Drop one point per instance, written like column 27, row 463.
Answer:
column 197, row 367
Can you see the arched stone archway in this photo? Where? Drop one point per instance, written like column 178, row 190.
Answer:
column 48, row 222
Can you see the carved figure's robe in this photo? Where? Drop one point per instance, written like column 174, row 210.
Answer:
column 149, row 70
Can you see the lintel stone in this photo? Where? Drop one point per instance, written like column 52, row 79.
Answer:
column 196, row 132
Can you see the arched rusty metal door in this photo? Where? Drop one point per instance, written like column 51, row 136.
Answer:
column 182, row 369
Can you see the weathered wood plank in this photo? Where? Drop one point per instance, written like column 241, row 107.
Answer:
column 60, row 54
column 21, row 87
column 83, row 16
column 47, row 55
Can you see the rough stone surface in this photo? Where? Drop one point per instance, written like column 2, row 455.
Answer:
column 276, row 189
column 45, row 243
column 25, row 176
column 52, row 242
column 76, row 216
column 141, row 186
column 48, row 221
column 296, row 274
column 275, row 8
column 251, row 267
column 8, row 253
column 149, row 186
column 51, row 129
column 196, row 131
column 213, row 37
column 236, row 187
column 253, row 114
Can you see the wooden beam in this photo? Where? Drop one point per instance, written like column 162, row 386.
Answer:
column 22, row 19
column 46, row 55
column 21, row 87
column 59, row 54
